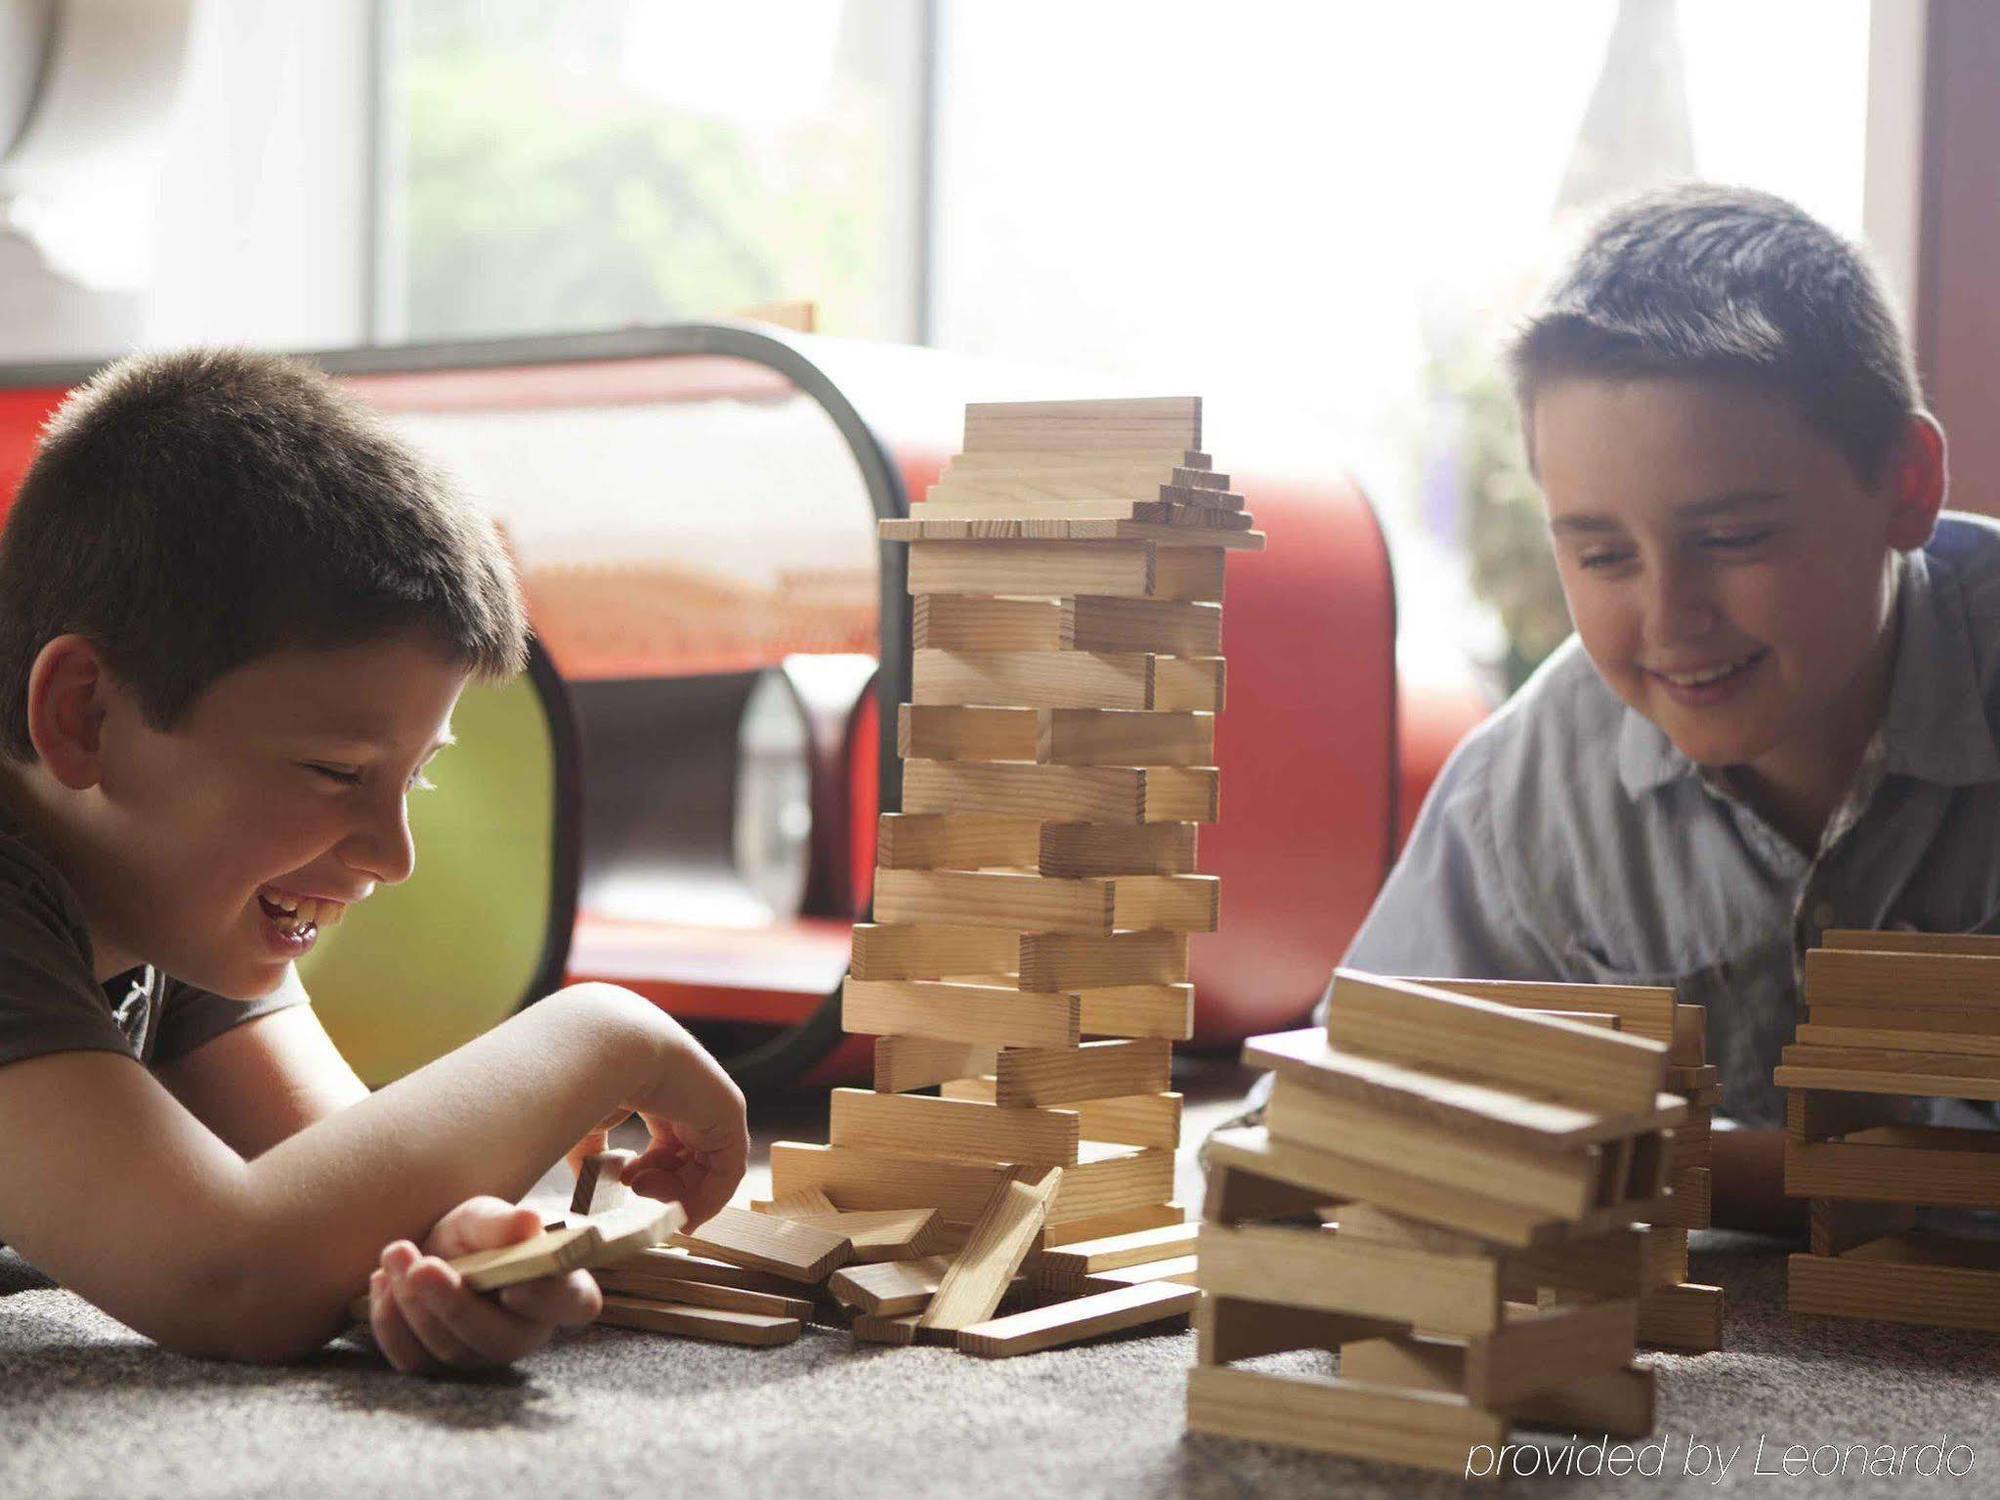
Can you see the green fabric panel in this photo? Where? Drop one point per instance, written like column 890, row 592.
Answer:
column 426, row 966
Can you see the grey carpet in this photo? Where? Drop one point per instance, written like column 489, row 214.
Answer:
column 88, row 1409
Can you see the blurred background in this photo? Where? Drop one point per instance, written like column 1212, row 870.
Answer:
column 1320, row 217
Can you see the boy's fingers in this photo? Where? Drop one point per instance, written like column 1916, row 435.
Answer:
column 561, row 1301
column 486, row 1330
column 420, row 1298
column 484, row 1223
column 393, row 1336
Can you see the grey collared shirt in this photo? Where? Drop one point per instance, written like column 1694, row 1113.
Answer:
column 1567, row 839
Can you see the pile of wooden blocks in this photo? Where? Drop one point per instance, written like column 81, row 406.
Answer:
column 1450, row 1189
column 1026, row 971
column 1894, row 1018
column 1674, row 1312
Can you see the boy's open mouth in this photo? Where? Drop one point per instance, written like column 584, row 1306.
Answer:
column 299, row 916
column 1710, row 675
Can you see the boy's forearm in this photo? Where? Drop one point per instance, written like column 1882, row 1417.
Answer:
column 1748, row 1183
column 490, row 1117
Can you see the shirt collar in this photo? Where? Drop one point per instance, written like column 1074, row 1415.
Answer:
column 1935, row 729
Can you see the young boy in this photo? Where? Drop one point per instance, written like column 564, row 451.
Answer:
column 235, row 616
column 1777, row 714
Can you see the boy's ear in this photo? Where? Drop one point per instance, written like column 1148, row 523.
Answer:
column 1916, row 481
column 69, row 690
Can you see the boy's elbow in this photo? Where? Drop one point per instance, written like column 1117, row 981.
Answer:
column 241, row 1314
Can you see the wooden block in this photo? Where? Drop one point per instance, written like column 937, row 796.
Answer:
column 915, row 1062
column 1167, row 627
column 1967, row 944
column 931, row 952
column 988, row 504
column 1029, row 461
column 987, row 1015
column 1556, row 1182
column 1643, row 1009
column 1068, row 679
column 802, row 1205
column 967, row 622
column 779, row 1246
column 1061, row 568
column 1666, row 1257
column 959, row 732
column 886, row 1234
column 1970, row 1044
column 1693, row 1080
column 1184, row 1270
column 1001, row 1238
column 1136, row 1120
column 935, row 841
column 1690, row 1206
column 1811, row 1115
column 1082, row 849
column 1105, row 1181
column 1102, row 794
column 1422, row 1429
column 700, row 1322
column 1977, row 1027
column 996, row 491
column 1438, row 1031
column 1609, row 1264
column 1689, row 1043
column 1486, row 1112
column 1942, row 1075
column 1064, row 962
column 1028, row 1076
column 642, row 1287
column 1954, row 981
column 1063, row 736
column 1539, row 1349
column 1137, row 1010
column 1172, row 536
column 1231, row 1328
column 597, row 1184
column 1686, row 1316
column 1144, row 423
column 1072, row 1262
column 1934, row 1165
column 1319, row 1268
column 657, row 1269
column 885, row 1330
column 1083, row 1318
column 890, row 1288
column 921, row 1126
column 1910, row 1278
column 1041, row 903
column 1119, row 1221
column 1237, row 1194
column 1836, row 1227
column 1617, row 1402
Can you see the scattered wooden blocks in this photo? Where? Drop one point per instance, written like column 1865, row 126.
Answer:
column 766, row 1243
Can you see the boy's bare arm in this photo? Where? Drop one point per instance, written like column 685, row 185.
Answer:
column 264, row 1081
column 1748, row 1183
column 113, row 1188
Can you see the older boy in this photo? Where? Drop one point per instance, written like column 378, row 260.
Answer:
column 235, row 616
column 1777, row 715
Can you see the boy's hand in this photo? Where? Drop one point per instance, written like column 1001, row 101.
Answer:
column 425, row 1318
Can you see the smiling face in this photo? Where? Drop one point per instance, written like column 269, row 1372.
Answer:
column 1728, row 573
column 285, row 784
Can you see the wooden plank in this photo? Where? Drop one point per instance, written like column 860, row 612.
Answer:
column 884, row 952
column 657, row 1268
column 1438, row 1031
column 1144, row 423
column 1168, row 537
column 616, row 1282
column 1956, row 1023
column 753, row 1329
column 1540, row 1349
column 1666, row 1255
column 915, row 1062
column 799, row 1205
column 1042, row 903
column 1105, row 1181
column 1609, row 1264
column 1232, row 1328
column 1645, row 1010
column 977, row 1013
column 1690, row 1206
column 886, row 1234
column 942, row 731
column 1137, row 1010
column 1957, row 981
column 1118, row 1221
column 1835, row 1227
column 1136, row 1120
column 1169, row 627
column 890, row 1288
column 1968, row 1044
column 972, row 1288
column 1122, row 737
column 1617, row 1402
column 1051, row 491
column 1088, row 680
column 881, row 1330
column 1686, row 1316
column 1812, row 1115
column 1076, row 850
column 920, row 1126
column 1321, row 1269
column 1306, row 1057
column 1072, row 1321
column 1557, row 1182
column 966, row 841
column 1933, row 1165
column 1026, row 461
column 1063, row 962
column 1086, row 794
column 1942, row 1075
column 1125, row 570
column 1967, row 944
column 1082, row 1258
column 764, row 1243
column 1177, row 506
column 1421, row 1429
column 1912, row 1278
column 1094, row 1070
column 968, row 622
column 1237, row 1193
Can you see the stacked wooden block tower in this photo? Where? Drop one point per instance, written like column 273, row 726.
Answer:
column 1026, row 972
column 1446, row 1193
column 1893, row 1019
column 1674, row 1312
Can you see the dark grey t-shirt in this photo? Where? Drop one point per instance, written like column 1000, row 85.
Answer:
column 50, row 1000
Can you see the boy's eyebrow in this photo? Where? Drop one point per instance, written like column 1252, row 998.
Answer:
column 1693, row 510
column 369, row 740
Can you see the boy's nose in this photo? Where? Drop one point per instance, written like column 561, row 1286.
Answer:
column 382, row 848
column 1678, row 607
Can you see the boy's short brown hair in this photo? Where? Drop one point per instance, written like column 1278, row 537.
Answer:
column 1702, row 280
column 191, row 512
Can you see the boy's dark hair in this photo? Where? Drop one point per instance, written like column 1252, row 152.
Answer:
column 191, row 512
column 1705, row 280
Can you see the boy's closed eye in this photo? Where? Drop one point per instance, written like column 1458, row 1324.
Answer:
column 348, row 776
